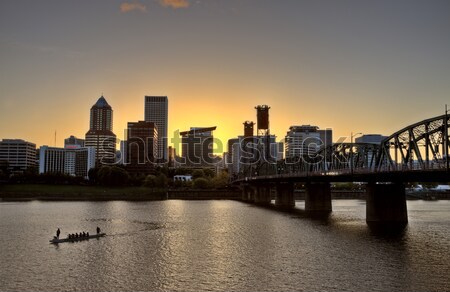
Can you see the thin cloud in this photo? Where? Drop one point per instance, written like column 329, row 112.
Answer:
column 131, row 6
column 175, row 4
column 42, row 49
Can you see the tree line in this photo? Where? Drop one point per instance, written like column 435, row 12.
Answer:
column 118, row 176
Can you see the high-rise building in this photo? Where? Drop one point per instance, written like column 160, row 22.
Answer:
column 247, row 153
column 369, row 152
column 100, row 135
column 73, row 142
column 306, row 139
column 232, row 154
column 197, row 147
column 280, row 151
column 17, row 154
column 71, row 161
column 171, row 156
column 156, row 111
column 123, row 152
column 370, row 138
column 142, row 146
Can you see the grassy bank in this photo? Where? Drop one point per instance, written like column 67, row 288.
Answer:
column 13, row 192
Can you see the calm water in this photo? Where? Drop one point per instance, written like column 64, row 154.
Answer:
column 220, row 245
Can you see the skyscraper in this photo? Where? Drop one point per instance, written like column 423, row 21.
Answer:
column 100, row 135
column 197, row 147
column 232, row 158
column 142, row 147
column 306, row 139
column 73, row 142
column 156, row 111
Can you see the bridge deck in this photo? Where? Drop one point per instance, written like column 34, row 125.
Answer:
column 391, row 176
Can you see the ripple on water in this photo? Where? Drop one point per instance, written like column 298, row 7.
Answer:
column 219, row 245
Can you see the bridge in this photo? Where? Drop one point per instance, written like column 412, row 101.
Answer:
column 416, row 153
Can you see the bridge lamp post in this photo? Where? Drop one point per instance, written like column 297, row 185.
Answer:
column 351, row 150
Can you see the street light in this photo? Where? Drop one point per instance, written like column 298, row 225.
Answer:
column 351, row 150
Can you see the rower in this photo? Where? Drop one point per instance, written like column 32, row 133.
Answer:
column 98, row 230
column 58, row 232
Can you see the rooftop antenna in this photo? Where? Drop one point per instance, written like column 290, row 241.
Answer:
column 55, row 138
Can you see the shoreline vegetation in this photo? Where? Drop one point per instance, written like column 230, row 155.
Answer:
column 47, row 192
column 28, row 192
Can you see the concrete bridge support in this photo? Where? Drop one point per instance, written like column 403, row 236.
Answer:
column 285, row 195
column 262, row 195
column 248, row 194
column 386, row 204
column 318, row 197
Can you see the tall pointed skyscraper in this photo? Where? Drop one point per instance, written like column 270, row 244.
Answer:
column 156, row 111
column 100, row 135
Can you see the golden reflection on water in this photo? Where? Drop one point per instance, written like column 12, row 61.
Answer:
column 219, row 245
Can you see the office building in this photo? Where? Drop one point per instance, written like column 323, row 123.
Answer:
column 231, row 154
column 156, row 111
column 122, row 156
column 235, row 150
column 197, row 147
column 370, row 138
column 306, row 140
column 100, row 135
column 246, row 153
column 142, row 147
column 17, row 154
column 73, row 142
column 368, row 153
column 280, row 150
column 171, row 156
column 71, row 161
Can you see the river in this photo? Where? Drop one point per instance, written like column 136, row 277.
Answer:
column 215, row 245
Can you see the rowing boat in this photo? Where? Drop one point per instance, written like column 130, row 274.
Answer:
column 61, row 240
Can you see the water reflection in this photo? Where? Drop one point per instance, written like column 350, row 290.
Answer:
column 220, row 245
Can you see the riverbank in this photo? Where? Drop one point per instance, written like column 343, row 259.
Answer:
column 28, row 192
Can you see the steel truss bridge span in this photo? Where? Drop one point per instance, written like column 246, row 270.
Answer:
column 420, row 146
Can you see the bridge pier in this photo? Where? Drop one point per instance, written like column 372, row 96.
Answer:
column 285, row 195
column 248, row 194
column 318, row 197
column 262, row 195
column 386, row 204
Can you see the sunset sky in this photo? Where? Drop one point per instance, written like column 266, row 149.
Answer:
column 354, row 66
